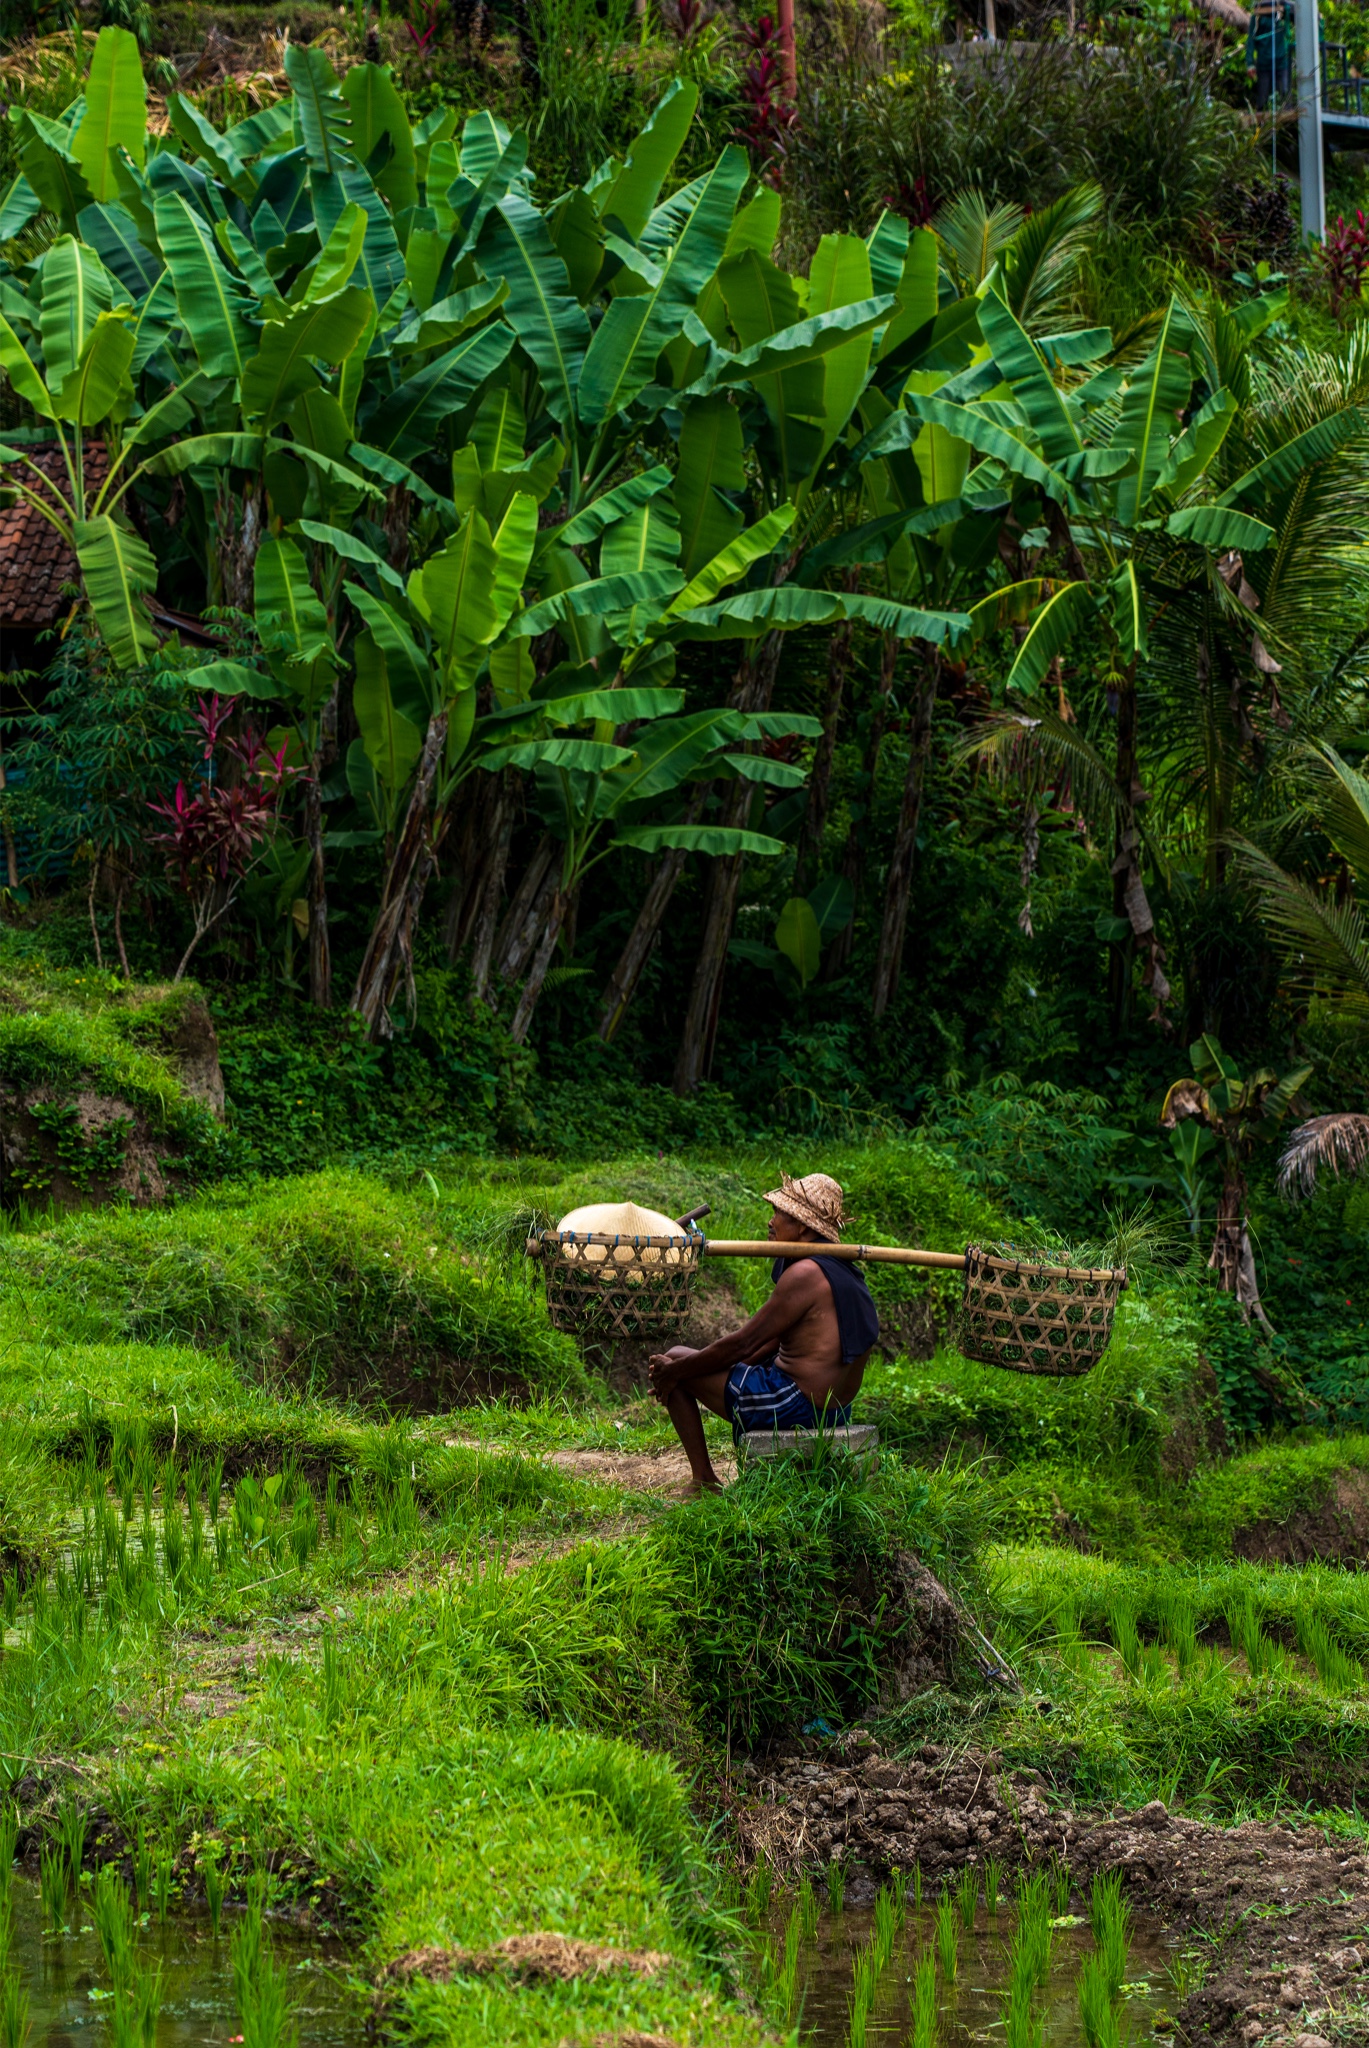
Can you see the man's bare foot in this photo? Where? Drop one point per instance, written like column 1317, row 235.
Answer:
column 712, row 1484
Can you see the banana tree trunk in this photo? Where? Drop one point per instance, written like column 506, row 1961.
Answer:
column 1129, row 899
column 694, row 1061
column 809, row 859
column 752, row 691
column 1233, row 1257
column 560, row 908
column 858, row 833
column 389, row 952
column 486, row 918
column 320, row 950
column 622, row 983
column 899, row 885
column 516, row 939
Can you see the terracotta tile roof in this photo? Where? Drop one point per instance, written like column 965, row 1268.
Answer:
column 34, row 563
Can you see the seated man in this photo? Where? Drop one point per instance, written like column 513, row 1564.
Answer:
column 799, row 1363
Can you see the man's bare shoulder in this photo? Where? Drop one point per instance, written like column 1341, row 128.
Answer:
column 802, row 1282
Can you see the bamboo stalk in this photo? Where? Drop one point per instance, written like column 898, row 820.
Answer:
column 888, row 1254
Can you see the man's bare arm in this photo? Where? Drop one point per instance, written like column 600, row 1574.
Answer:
column 800, row 1288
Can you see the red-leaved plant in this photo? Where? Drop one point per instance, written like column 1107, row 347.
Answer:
column 771, row 122
column 1345, row 258
column 215, row 836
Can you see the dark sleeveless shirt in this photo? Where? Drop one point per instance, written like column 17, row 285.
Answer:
column 857, row 1316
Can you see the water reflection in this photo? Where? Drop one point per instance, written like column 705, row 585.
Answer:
column 67, row 1983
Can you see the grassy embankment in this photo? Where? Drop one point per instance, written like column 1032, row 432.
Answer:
column 448, row 1692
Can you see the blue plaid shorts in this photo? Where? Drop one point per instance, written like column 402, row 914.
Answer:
column 763, row 1397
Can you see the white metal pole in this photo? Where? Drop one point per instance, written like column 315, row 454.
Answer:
column 1310, row 174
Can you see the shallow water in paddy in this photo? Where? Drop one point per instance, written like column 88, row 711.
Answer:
column 972, row 2007
column 67, row 1983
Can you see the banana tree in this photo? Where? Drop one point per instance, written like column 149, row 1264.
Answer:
column 1241, row 1110
column 1111, row 469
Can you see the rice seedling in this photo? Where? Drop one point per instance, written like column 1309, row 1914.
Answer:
column 924, row 2002
column 1245, row 1626
column 112, row 1913
column 1178, row 1629
column 967, row 1895
column 1336, row 1669
column 1097, row 2015
column 1110, row 1918
column 807, row 1908
column 917, row 1884
column 993, row 1882
column 215, row 1884
column 760, row 1886
column 898, row 1886
column 260, row 1983
column 787, row 1974
column 886, row 1926
column 864, row 1979
column 9, row 1838
column 1125, row 1638
column 1022, row 2024
column 71, row 1836
column 1032, row 1938
column 836, row 1886
column 946, row 1934
column 142, row 1867
column 52, row 1887
column 14, row 2011
column 1061, row 1888
column 162, row 1868
column 133, row 2015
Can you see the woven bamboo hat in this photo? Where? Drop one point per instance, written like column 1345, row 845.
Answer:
column 815, row 1201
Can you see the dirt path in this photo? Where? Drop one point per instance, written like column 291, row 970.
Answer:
column 664, row 1471
column 1289, row 1906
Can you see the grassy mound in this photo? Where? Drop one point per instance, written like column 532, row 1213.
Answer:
column 330, row 1284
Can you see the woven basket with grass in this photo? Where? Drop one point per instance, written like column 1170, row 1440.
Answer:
column 1051, row 1320
column 614, row 1270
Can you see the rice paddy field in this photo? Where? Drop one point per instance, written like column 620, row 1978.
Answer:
column 363, row 1668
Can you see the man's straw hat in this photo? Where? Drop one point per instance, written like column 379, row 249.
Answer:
column 815, row 1201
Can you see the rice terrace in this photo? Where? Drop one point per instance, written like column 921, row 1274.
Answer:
column 684, row 1024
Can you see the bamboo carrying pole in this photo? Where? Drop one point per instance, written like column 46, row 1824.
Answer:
column 889, row 1254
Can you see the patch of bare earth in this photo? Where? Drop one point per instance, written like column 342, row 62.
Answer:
column 663, row 1471
column 1291, row 1905
column 1332, row 1530
column 537, row 1958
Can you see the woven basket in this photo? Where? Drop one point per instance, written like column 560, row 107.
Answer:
column 611, row 1287
column 1034, row 1318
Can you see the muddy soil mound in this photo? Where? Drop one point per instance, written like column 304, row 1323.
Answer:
column 1291, row 1903
column 1332, row 1530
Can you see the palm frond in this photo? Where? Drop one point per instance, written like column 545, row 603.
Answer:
column 1041, row 262
column 1032, row 741
column 973, row 234
column 1345, row 811
column 1311, row 929
column 1326, row 1144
